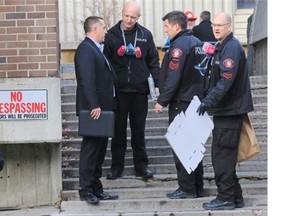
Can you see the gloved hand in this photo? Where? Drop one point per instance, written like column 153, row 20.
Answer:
column 201, row 109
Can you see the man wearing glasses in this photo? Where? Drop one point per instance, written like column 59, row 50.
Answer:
column 133, row 55
column 228, row 101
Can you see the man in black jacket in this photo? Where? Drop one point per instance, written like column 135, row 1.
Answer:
column 179, row 82
column 229, row 99
column 96, row 91
column 203, row 31
column 132, row 52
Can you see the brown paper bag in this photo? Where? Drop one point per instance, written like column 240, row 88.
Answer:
column 248, row 145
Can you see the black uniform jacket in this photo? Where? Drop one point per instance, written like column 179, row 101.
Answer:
column 230, row 92
column 132, row 72
column 179, row 80
column 96, row 80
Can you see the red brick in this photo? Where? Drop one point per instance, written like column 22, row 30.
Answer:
column 3, row 60
column 52, row 65
column 7, row 23
column 46, row 8
column 37, row 44
column 37, row 59
column 29, row 52
column 46, row 37
column 49, row 51
column 26, row 37
column 14, row 2
column 7, row 8
column 8, row 37
column 17, row 44
column 37, row 73
column 15, row 16
column 17, row 73
column 18, row 30
column 36, row 29
column 46, row 22
column 28, row 66
column 8, row 52
column 53, row 58
column 4, row 67
column 17, row 59
column 53, row 44
column 51, row 14
column 25, row 8
column 25, row 22
column 36, row 15
column 51, row 29
column 34, row 2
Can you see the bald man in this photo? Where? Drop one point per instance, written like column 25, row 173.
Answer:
column 229, row 100
column 130, row 48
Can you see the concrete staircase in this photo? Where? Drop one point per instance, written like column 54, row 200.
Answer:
column 148, row 198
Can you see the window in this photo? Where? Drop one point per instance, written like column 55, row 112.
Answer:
column 245, row 4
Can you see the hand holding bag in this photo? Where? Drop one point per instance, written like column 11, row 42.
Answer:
column 102, row 127
column 248, row 145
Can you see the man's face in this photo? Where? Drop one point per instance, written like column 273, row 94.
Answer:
column 221, row 28
column 169, row 29
column 190, row 24
column 130, row 16
column 100, row 31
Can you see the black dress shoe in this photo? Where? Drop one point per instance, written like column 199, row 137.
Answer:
column 114, row 174
column 106, row 196
column 179, row 194
column 144, row 173
column 239, row 203
column 217, row 204
column 89, row 198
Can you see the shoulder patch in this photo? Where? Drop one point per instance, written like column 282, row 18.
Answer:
column 176, row 53
column 228, row 63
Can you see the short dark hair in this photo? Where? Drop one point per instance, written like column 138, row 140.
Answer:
column 205, row 15
column 176, row 17
column 90, row 21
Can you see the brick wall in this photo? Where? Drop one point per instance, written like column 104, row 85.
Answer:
column 29, row 41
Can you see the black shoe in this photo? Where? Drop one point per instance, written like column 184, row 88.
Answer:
column 89, row 198
column 106, row 196
column 145, row 173
column 179, row 194
column 239, row 203
column 217, row 204
column 114, row 174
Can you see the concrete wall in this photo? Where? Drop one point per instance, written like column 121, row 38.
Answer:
column 29, row 61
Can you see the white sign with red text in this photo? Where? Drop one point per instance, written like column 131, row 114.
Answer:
column 23, row 105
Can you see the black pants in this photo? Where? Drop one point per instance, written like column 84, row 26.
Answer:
column 192, row 182
column 134, row 106
column 226, row 135
column 92, row 154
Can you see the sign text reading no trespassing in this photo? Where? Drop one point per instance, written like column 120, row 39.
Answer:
column 23, row 105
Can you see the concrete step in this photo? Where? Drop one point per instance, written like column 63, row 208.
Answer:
column 72, row 159
column 156, row 206
column 253, row 166
column 260, row 111
column 148, row 191
column 71, row 143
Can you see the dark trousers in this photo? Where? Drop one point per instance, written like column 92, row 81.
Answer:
column 226, row 135
column 192, row 182
column 134, row 106
column 92, row 154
